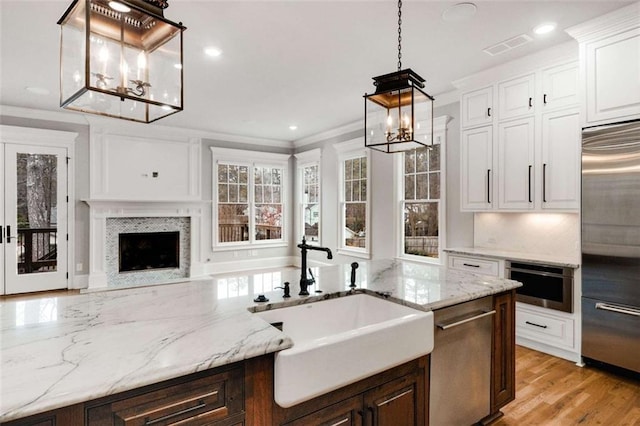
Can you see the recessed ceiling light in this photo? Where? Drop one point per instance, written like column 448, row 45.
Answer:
column 459, row 12
column 293, row 127
column 545, row 28
column 119, row 7
column 212, row 51
column 37, row 90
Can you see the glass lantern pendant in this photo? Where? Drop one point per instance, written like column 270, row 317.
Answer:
column 121, row 59
column 399, row 115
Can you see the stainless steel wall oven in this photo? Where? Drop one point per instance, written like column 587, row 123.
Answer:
column 543, row 285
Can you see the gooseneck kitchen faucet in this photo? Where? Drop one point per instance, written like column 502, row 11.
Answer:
column 304, row 281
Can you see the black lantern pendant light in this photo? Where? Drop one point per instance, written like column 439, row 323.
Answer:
column 399, row 115
column 121, row 59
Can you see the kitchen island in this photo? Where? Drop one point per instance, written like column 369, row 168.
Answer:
column 64, row 351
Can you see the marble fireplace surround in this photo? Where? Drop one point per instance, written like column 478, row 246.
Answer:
column 142, row 216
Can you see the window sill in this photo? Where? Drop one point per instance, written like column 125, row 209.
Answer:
column 354, row 253
column 249, row 246
column 421, row 259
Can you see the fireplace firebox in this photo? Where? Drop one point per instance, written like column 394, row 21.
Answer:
column 141, row 251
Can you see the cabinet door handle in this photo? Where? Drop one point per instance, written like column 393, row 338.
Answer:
column 530, row 167
column 1, row 234
column 544, row 99
column 488, row 112
column 618, row 309
column 530, row 102
column 393, row 398
column 202, row 404
column 8, row 234
column 544, row 183
column 342, row 421
column 535, row 325
column 470, row 264
column 483, row 314
column 488, row 186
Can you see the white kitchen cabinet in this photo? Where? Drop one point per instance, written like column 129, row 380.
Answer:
column 477, row 169
column 544, row 329
column 610, row 66
column 477, row 107
column 612, row 74
column 516, row 159
column 478, row 265
column 536, row 146
column 560, row 86
column 516, row 97
column 561, row 159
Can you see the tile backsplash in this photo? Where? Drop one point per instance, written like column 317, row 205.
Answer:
column 538, row 233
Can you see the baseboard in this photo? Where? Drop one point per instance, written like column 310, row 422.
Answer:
column 548, row 349
column 79, row 282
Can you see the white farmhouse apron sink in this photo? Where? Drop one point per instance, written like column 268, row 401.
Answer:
column 340, row 341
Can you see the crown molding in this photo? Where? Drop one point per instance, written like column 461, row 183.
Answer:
column 328, row 134
column 117, row 126
column 563, row 52
column 614, row 22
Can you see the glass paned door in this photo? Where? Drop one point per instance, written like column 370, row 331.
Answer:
column 35, row 209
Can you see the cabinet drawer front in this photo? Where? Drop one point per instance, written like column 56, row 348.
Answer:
column 196, row 402
column 480, row 266
column 543, row 328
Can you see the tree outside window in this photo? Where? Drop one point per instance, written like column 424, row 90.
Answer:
column 421, row 201
column 311, row 202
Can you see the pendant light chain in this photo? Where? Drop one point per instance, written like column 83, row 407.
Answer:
column 399, row 35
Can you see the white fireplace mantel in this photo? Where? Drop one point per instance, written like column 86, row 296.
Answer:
column 102, row 209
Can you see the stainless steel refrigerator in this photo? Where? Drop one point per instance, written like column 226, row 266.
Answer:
column 611, row 245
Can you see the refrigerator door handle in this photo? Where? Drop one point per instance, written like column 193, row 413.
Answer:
column 618, row 309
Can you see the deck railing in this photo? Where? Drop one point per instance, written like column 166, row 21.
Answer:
column 37, row 250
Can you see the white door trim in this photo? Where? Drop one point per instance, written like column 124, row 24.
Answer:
column 50, row 138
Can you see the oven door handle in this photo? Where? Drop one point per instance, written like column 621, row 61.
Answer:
column 541, row 273
column 618, row 309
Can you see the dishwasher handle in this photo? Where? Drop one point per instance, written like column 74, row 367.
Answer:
column 482, row 314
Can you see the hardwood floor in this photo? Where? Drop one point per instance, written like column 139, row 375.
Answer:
column 552, row 391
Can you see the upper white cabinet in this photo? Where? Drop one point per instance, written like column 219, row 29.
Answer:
column 560, row 86
column 516, row 97
column 477, row 107
column 516, row 158
column 561, row 135
column 477, row 163
column 610, row 66
column 528, row 153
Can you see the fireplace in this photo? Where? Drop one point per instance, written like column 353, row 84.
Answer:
column 139, row 251
column 169, row 220
column 147, row 250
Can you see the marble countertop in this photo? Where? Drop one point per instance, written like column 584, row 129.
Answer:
column 547, row 259
column 58, row 351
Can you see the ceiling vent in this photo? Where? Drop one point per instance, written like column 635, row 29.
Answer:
column 505, row 46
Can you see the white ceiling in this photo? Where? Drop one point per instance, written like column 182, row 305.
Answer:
column 297, row 62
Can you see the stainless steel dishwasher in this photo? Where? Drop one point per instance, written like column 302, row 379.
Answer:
column 460, row 391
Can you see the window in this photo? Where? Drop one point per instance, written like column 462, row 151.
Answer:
column 354, row 198
column 421, row 180
column 309, row 195
column 248, row 197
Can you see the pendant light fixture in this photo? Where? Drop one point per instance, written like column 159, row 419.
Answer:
column 399, row 115
column 121, row 59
